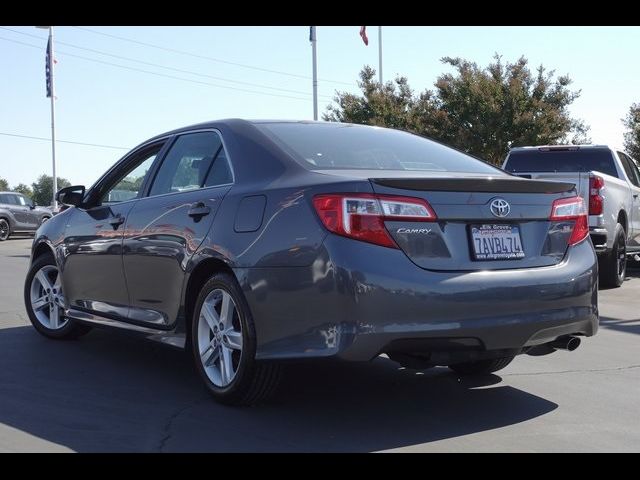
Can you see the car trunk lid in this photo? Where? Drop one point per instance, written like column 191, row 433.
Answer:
column 483, row 222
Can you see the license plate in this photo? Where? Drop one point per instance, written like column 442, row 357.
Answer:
column 496, row 242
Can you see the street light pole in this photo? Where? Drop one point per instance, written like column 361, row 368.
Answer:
column 312, row 37
column 380, row 53
column 51, row 68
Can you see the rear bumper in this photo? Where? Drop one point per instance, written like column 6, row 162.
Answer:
column 358, row 300
column 599, row 239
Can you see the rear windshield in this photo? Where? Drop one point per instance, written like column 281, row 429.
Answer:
column 581, row 160
column 341, row 146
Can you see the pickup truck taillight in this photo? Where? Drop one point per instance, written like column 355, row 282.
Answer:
column 596, row 183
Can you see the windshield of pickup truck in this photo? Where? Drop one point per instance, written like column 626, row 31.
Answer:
column 580, row 160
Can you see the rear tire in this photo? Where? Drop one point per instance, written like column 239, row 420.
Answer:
column 223, row 343
column 5, row 229
column 613, row 266
column 45, row 302
column 481, row 367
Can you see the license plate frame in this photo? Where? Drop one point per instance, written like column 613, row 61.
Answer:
column 503, row 242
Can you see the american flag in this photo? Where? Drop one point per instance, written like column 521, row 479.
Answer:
column 47, row 68
column 363, row 34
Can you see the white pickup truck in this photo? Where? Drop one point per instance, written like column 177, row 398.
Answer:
column 609, row 182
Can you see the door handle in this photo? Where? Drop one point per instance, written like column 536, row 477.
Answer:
column 116, row 221
column 198, row 209
column 635, row 195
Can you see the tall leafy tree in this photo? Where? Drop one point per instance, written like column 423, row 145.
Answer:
column 483, row 111
column 23, row 189
column 43, row 189
column 632, row 135
column 4, row 185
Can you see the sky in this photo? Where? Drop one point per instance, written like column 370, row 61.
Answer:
column 118, row 92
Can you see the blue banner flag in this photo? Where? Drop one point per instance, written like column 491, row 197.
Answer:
column 48, row 68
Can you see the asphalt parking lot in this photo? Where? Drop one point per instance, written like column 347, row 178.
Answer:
column 109, row 392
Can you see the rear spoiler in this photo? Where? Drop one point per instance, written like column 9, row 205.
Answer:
column 476, row 184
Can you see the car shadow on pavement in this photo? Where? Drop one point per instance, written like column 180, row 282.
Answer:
column 109, row 392
column 625, row 326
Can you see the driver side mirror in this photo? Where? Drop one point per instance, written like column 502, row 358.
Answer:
column 71, row 196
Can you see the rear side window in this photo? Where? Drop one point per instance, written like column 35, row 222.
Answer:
column 565, row 160
column 9, row 199
column 630, row 169
column 220, row 173
column 192, row 163
column 343, row 146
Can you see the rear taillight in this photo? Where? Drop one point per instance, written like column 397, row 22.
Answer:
column 361, row 215
column 572, row 209
column 596, row 183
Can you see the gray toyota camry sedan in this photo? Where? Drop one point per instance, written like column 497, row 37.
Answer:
column 251, row 243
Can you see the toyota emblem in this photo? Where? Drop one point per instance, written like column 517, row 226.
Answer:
column 500, row 207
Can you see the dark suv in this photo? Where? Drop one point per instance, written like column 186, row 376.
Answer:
column 19, row 214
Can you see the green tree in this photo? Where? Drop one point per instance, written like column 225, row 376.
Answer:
column 43, row 189
column 632, row 135
column 483, row 111
column 23, row 189
column 4, row 185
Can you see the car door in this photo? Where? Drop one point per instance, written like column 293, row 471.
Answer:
column 635, row 221
column 166, row 228
column 18, row 211
column 634, row 215
column 30, row 215
column 93, row 278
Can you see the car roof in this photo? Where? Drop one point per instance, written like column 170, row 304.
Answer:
column 560, row 147
column 239, row 122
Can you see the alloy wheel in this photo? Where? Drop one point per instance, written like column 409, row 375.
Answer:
column 219, row 337
column 622, row 257
column 47, row 300
column 4, row 229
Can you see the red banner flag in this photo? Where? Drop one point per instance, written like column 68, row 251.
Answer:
column 363, row 34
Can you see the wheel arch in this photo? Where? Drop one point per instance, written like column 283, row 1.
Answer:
column 201, row 272
column 40, row 249
column 622, row 220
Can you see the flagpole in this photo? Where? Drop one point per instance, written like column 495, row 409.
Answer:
column 315, row 72
column 53, row 121
column 380, row 52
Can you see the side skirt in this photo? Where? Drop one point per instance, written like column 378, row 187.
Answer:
column 172, row 339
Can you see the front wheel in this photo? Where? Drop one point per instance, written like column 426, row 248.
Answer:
column 613, row 267
column 481, row 367
column 223, row 343
column 45, row 302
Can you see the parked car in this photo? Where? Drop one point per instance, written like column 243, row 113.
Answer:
column 310, row 240
column 18, row 214
column 610, row 179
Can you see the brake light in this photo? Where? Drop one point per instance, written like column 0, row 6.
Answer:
column 572, row 209
column 361, row 216
column 596, row 183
